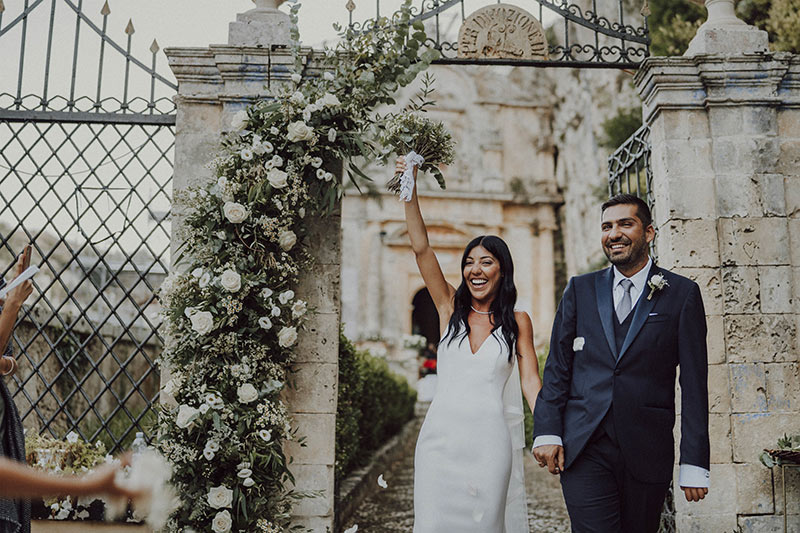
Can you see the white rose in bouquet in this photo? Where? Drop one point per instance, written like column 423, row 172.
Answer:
column 246, row 154
column 249, row 482
column 247, row 393
column 277, row 178
column 235, row 212
column 287, row 336
column 297, row 98
column 296, row 77
column 265, row 434
column 245, row 473
column 321, row 174
column 202, row 322
column 299, row 131
column 328, row 76
column 316, row 162
column 275, row 311
column 220, row 497
column 222, row 522
column 331, row 135
column 265, row 322
column 239, row 120
column 298, row 309
column 230, row 280
column 286, row 296
column 287, row 240
column 266, row 292
column 186, row 415
column 277, row 161
column 330, row 100
column 204, row 280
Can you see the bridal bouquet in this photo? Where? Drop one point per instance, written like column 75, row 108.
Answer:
column 425, row 143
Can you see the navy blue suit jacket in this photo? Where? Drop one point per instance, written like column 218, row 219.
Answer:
column 579, row 386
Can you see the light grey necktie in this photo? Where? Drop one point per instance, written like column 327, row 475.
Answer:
column 624, row 306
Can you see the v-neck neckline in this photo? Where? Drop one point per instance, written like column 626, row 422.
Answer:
column 491, row 333
column 479, row 347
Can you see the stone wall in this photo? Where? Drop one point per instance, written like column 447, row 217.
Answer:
column 726, row 148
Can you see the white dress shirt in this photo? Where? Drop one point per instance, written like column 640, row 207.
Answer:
column 690, row 475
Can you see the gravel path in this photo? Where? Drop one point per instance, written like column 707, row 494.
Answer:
column 391, row 510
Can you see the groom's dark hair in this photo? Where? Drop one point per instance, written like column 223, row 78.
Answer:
column 642, row 209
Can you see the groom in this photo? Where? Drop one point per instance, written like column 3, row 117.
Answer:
column 604, row 417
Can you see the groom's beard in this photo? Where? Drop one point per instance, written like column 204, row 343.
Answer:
column 636, row 252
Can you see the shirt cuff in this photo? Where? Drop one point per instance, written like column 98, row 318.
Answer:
column 547, row 440
column 694, row 476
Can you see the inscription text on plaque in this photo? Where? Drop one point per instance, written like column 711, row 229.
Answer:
column 502, row 31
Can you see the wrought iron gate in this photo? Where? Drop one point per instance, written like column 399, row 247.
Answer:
column 86, row 151
column 584, row 33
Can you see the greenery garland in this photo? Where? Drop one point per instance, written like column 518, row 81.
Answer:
column 231, row 315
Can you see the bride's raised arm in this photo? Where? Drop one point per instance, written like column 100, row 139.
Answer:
column 441, row 292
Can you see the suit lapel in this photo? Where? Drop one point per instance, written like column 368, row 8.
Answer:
column 640, row 314
column 605, row 305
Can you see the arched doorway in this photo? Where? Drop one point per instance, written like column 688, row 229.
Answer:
column 424, row 317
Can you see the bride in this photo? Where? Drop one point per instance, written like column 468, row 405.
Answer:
column 468, row 475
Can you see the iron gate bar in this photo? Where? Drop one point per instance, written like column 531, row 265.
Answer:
column 597, row 23
column 613, row 55
column 23, row 16
column 531, row 63
column 101, row 33
column 82, row 117
column 93, row 333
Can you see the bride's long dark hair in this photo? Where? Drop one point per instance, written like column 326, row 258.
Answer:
column 502, row 307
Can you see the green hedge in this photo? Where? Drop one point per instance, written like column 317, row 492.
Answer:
column 373, row 405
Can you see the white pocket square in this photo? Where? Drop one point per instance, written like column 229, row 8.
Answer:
column 577, row 344
column 653, row 314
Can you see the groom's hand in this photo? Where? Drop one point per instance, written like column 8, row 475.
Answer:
column 551, row 456
column 694, row 494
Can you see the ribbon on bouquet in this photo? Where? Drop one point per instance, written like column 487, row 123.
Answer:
column 413, row 159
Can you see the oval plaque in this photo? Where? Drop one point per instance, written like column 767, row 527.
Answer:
column 502, row 31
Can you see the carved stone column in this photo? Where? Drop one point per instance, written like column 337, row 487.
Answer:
column 213, row 84
column 726, row 150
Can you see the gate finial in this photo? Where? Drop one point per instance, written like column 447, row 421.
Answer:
column 106, row 10
column 154, row 47
column 2, row 6
column 350, row 5
column 129, row 30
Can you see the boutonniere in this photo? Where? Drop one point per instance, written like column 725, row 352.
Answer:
column 578, row 343
column 656, row 283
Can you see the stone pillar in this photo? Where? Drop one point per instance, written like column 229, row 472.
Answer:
column 213, row 84
column 726, row 147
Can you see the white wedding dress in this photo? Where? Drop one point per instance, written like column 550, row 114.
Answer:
column 468, row 473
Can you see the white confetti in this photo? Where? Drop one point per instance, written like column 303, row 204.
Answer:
column 477, row 515
column 382, row 482
column 352, row 529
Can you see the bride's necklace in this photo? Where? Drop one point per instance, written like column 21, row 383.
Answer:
column 481, row 312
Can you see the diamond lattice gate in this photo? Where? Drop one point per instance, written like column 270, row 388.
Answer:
column 86, row 151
